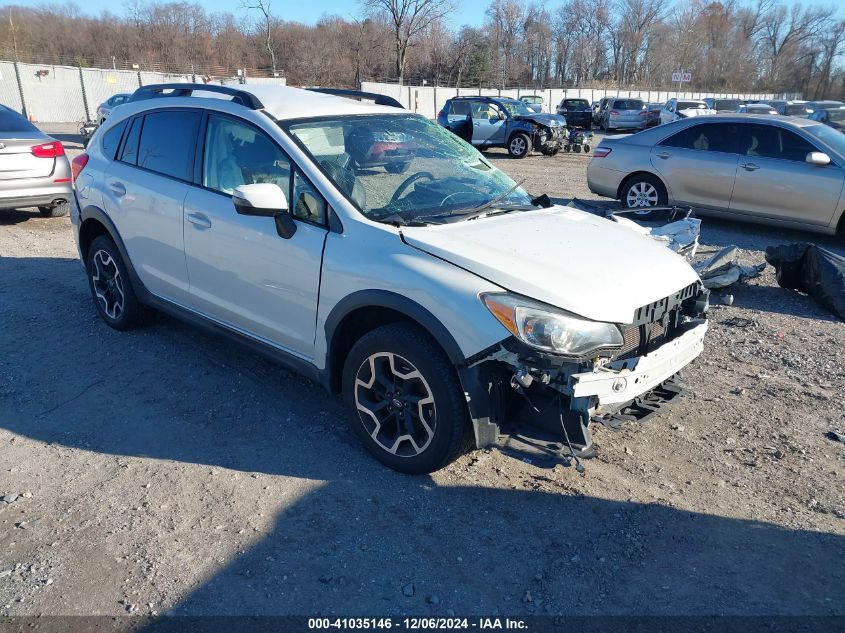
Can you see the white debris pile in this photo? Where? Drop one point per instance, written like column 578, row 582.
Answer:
column 681, row 236
column 722, row 269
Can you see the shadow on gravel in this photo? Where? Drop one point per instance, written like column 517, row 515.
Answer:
column 169, row 392
column 18, row 216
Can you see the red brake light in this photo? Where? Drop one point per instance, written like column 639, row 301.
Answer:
column 77, row 165
column 614, row 112
column 601, row 152
column 439, row 114
column 48, row 150
column 644, row 113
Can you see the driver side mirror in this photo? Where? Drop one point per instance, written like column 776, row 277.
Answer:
column 265, row 200
column 502, row 115
column 818, row 158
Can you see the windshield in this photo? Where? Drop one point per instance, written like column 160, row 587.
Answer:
column 576, row 103
column 795, row 110
column 727, row 104
column 402, row 168
column 515, row 108
column 828, row 135
column 836, row 115
column 628, row 104
column 532, row 99
column 687, row 105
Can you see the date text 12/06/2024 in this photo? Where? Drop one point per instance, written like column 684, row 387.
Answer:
column 413, row 624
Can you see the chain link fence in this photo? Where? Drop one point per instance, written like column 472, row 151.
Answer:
column 61, row 94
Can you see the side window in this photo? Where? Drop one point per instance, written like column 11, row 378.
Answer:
column 769, row 141
column 308, row 204
column 459, row 108
column 712, row 137
column 111, row 139
column 168, row 141
column 237, row 153
column 129, row 152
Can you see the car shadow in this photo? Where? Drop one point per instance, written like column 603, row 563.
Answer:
column 364, row 539
column 720, row 232
column 18, row 216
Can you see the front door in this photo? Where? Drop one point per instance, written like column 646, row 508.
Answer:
column 698, row 164
column 145, row 190
column 488, row 123
column 242, row 273
column 774, row 179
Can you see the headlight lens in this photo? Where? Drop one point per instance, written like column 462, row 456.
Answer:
column 543, row 327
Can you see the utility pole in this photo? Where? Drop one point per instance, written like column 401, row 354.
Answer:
column 17, row 69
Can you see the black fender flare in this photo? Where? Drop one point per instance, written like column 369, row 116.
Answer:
column 393, row 301
column 93, row 212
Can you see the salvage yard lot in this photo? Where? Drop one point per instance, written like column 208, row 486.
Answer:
column 168, row 471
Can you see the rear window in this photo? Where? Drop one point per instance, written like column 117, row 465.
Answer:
column 11, row 121
column 627, row 104
column 794, row 110
column 459, row 107
column 576, row 103
column 727, row 104
column 111, row 139
column 167, row 144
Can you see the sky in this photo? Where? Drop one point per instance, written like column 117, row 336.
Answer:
column 469, row 12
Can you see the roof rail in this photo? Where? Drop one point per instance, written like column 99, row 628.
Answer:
column 186, row 90
column 358, row 94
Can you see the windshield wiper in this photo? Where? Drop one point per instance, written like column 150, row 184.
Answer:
column 474, row 212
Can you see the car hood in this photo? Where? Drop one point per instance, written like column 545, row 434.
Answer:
column 549, row 120
column 577, row 261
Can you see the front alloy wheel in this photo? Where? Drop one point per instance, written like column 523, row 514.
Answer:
column 519, row 145
column 395, row 404
column 406, row 402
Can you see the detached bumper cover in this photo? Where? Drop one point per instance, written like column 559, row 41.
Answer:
column 622, row 381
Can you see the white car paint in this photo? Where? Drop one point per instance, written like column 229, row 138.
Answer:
column 670, row 113
column 551, row 256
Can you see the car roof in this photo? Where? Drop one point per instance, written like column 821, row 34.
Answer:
column 281, row 102
column 750, row 118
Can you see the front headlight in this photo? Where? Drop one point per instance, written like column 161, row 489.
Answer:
column 544, row 327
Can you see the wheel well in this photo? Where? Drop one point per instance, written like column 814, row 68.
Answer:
column 635, row 174
column 840, row 228
column 90, row 230
column 349, row 331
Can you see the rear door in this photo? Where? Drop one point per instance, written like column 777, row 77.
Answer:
column 144, row 192
column 243, row 274
column 698, row 164
column 774, row 180
column 458, row 119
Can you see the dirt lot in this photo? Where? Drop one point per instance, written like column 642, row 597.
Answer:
column 167, row 471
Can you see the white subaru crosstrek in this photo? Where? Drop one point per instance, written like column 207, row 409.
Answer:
column 379, row 254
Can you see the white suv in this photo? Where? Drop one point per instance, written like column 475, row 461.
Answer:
column 379, row 254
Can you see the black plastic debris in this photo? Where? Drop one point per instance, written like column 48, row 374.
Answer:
column 811, row 269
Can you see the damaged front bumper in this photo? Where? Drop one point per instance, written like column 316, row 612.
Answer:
column 515, row 392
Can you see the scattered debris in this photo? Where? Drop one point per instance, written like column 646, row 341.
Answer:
column 527, row 596
column 811, row 269
column 433, row 600
column 408, row 590
column 737, row 321
column 681, row 235
column 727, row 300
column 10, row 497
column 723, row 269
column 836, row 436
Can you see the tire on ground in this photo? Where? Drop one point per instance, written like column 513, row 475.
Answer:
column 450, row 419
column 108, row 259
column 519, row 145
column 54, row 211
column 638, row 180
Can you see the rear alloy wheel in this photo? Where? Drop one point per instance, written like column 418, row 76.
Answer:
column 407, row 405
column 111, row 288
column 642, row 192
column 397, row 168
column 519, row 145
column 54, row 211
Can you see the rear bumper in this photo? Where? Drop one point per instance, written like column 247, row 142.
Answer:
column 603, row 181
column 626, row 125
column 36, row 195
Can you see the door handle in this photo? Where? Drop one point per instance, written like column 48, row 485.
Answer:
column 663, row 155
column 198, row 219
column 117, row 188
column 477, row 124
column 749, row 166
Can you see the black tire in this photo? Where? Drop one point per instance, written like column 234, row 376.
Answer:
column 586, row 148
column 411, row 348
column 56, row 211
column 397, row 168
column 519, row 145
column 105, row 256
column 577, row 148
column 642, row 182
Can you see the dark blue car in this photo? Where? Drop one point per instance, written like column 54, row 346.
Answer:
column 501, row 122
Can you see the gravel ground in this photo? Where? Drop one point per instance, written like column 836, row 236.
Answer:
column 167, row 471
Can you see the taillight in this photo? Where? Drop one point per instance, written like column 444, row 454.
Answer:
column 440, row 114
column 601, row 152
column 643, row 113
column 48, row 150
column 77, row 165
column 614, row 113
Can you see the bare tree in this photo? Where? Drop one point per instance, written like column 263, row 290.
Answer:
column 263, row 6
column 410, row 18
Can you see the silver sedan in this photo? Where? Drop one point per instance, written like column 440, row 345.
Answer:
column 34, row 170
column 786, row 171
